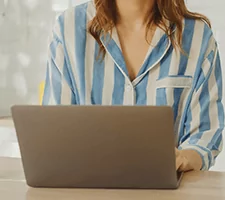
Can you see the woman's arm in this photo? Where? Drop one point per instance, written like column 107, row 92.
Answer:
column 202, row 141
column 58, row 86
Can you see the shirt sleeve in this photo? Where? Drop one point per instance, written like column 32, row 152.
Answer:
column 205, row 117
column 58, row 87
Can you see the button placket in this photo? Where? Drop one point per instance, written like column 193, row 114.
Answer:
column 129, row 94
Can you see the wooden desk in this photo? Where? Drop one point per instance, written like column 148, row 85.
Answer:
column 194, row 186
column 6, row 122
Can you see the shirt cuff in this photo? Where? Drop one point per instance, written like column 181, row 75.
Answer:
column 206, row 155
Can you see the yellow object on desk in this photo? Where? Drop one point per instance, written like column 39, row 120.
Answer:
column 41, row 91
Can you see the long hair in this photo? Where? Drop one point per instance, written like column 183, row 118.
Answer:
column 173, row 11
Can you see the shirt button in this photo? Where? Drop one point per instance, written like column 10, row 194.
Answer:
column 128, row 88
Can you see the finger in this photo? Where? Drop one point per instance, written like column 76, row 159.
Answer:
column 179, row 162
column 184, row 166
column 177, row 152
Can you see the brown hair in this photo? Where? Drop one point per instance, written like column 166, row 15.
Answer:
column 172, row 10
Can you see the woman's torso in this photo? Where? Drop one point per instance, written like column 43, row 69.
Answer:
column 167, row 76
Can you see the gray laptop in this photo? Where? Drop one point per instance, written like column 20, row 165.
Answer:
column 97, row 146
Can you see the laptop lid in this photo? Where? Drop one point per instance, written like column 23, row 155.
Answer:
column 97, row 146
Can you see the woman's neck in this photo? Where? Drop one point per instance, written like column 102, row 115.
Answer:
column 132, row 13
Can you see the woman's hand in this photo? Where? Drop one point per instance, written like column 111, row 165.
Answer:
column 187, row 160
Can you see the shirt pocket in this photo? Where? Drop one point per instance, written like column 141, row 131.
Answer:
column 172, row 90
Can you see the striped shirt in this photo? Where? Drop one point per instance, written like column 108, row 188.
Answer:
column 191, row 84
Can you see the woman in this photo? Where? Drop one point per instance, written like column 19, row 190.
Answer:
column 142, row 52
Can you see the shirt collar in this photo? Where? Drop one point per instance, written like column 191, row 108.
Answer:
column 158, row 48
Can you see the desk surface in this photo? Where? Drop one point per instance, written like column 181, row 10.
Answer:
column 194, row 186
column 6, row 122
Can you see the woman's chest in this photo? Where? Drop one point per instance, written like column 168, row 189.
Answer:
column 169, row 82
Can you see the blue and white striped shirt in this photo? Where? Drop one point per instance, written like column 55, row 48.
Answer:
column 191, row 84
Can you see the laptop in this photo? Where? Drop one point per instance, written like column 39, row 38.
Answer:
column 124, row 147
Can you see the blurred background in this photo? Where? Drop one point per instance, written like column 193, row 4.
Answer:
column 24, row 29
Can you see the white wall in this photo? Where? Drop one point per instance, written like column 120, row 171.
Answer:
column 24, row 28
